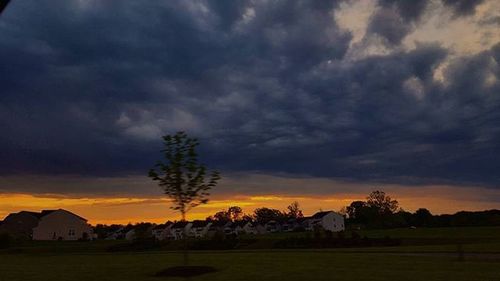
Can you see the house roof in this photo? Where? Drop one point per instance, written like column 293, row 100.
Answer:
column 180, row 224
column 219, row 224
column 160, row 226
column 44, row 213
column 163, row 226
column 320, row 215
column 200, row 223
column 48, row 212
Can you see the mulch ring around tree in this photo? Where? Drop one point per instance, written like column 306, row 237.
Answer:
column 185, row 271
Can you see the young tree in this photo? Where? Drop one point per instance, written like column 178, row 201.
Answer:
column 181, row 177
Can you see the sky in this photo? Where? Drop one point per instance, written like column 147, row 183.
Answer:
column 315, row 101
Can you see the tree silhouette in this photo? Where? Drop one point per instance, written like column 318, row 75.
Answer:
column 181, row 177
column 294, row 210
column 381, row 202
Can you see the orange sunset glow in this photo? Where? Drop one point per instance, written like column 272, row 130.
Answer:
column 123, row 210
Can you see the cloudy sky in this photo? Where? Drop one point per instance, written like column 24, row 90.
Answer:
column 319, row 101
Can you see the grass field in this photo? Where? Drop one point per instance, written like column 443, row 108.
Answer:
column 89, row 261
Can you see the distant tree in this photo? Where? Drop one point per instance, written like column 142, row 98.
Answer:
column 382, row 202
column 222, row 216
column 294, row 210
column 182, row 177
column 355, row 209
column 235, row 213
column 422, row 217
column 264, row 215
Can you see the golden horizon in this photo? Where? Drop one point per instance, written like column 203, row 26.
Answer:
column 124, row 210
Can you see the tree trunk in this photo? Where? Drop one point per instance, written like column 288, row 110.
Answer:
column 184, row 242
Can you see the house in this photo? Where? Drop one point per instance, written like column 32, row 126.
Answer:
column 139, row 231
column 130, row 235
column 259, row 228
column 179, row 229
column 244, row 227
column 162, row 231
column 328, row 220
column 117, row 235
column 61, row 225
column 272, row 226
column 199, row 228
column 230, row 228
column 217, row 228
column 21, row 224
column 293, row 225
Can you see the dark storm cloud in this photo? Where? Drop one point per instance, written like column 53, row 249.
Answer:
column 89, row 86
column 395, row 19
column 463, row 7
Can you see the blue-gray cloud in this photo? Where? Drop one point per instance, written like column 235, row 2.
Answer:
column 88, row 87
column 463, row 7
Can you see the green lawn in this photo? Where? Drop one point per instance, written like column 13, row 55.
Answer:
column 61, row 261
column 259, row 265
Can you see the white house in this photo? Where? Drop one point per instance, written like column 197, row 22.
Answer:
column 199, row 228
column 328, row 220
column 244, row 227
column 162, row 231
column 130, row 235
column 179, row 229
column 272, row 226
column 118, row 234
column 61, row 225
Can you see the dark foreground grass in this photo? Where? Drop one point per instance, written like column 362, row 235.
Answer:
column 252, row 265
column 438, row 260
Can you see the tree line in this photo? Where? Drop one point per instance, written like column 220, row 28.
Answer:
column 379, row 210
column 259, row 215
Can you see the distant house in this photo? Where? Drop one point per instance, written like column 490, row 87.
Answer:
column 294, row 225
column 180, row 229
column 217, row 227
column 328, row 220
column 117, row 235
column 139, row 231
column 61, row 225
column 20, row 225
column 244, row 227
column 199, row 228
column 162, row 231
column 130, row 235
column 231, row 228
column 272, row 226
column 259, row 228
